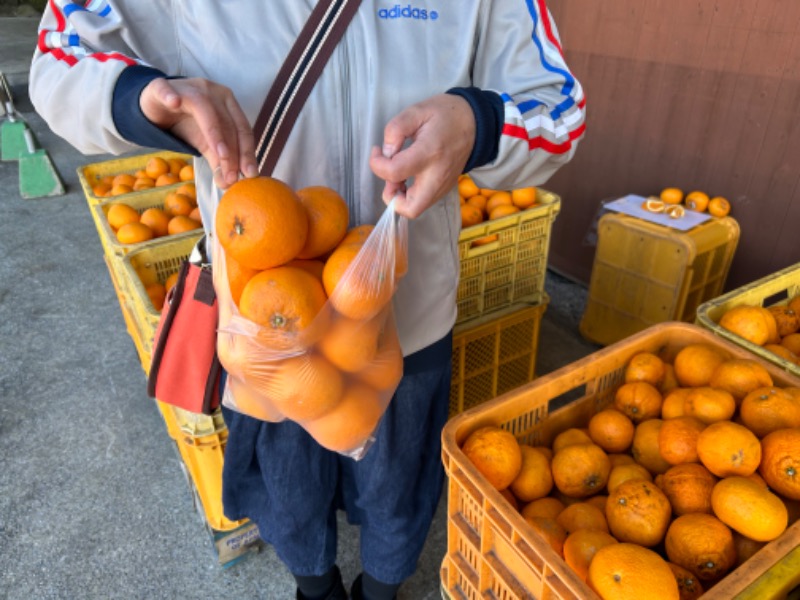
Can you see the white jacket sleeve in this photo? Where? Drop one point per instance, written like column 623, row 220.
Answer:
column 80, row 53
column 519, row 56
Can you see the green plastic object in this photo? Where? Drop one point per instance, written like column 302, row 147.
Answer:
column 38, row 177
column 12, row 140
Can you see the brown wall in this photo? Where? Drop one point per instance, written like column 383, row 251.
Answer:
column 698, row 94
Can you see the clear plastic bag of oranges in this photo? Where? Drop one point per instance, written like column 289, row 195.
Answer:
column 309, row 339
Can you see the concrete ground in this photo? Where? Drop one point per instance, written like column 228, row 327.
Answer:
column 93, row 500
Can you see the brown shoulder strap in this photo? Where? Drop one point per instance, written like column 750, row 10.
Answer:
column 299, row 73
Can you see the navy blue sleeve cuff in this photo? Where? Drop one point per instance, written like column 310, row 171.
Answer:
column 129, row 119
column 488, row 109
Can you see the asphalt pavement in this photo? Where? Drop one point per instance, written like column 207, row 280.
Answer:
column 93, row 499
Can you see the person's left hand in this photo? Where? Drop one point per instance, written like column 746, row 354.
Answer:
column 442, row 134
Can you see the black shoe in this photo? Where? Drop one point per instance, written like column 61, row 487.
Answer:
column 356, row 592
column 337, row 593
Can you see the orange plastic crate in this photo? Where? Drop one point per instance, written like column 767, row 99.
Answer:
column 493, row 553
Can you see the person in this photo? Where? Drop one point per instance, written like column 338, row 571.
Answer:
column 413, row 96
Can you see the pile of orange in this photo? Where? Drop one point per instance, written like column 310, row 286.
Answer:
column 479, row 204
column 287, row 255
column 696, row 200
column 157, row 172
column 775, row 328
column 693, row 468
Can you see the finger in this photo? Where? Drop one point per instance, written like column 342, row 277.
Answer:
column 160, row 102
column 213, row 124
column 245, row 139
column 398, row 129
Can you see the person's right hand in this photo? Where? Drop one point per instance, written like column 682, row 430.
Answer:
column 206, row 116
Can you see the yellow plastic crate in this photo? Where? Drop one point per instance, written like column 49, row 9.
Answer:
column 494, row 354
column 141, row 202
column 91, row 174
column 491, row 550
column 143, row 346
column 644, row 274
column 775, row 289
column 510, row 269
column 158, row 260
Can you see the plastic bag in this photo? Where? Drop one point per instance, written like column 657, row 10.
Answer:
column 333, row 374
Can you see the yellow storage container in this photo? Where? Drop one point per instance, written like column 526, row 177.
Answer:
column 773, row 290
column 91, row 174
column 645, row 273
column 492, row 552
column 494, row 354
column 503, row 262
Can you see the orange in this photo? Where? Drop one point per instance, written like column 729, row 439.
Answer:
column 123, row 179
column 498, row 199
column 470, row 215
column 467, row 188
column 749, row 508
column 697, row 201
column 611, row 430
column 496, row 454
column 250, row 401
column 568, row 437
column 156, row 166
column 170, row 282
column 134, row 233
column 638, row 512
column 488, row 192
column 670, row 382
column 351, row 345
column 315, row 267
column 358, row 234
column 549, row 529
column 645, row 366
column 695, row 364
column 534, row 480
column 792, row 343
column 745, row 547
column 186, row 173
column 787, row 320
column 386, row 369
column 156, row 219
column 178, row 204
column 487, row 239
column 622, row 473
column 783, row 352
column 102, row 190
column 599, row 501
column 780, row 462
column 478, row 202
column 284, row 301
column 188, row 189
column 677, row 439
column 167, row 179
column 238, row 276
column 631, row 572
column 503, row 210
column 580, row 470
column 182, row 224
column 620, row 459
column 645, row 449
column 156, row 292
column 543, row 507
column 719, row 207
column 702, row 544
column 767, row 409
column 582, row 515
column 581, row 546
column 709, row 404
column 261, row 222
column 638, row 400
column 689, row 585
column 671, row 195
column 523, row 198
column 688, row 488
column 143, row 183
column 176, row 165
column 748, row 322
column 739, row 377
column 195, row 215
column 303, row 387
column 120, row 214
column 328, row 217
column 120, row 189
column 361, row 294
column 726, row 448
column 348, row 428
column 672, row 406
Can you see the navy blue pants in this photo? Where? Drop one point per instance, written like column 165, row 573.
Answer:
column 276, row 475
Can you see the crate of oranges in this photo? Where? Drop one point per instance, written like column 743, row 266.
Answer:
column 503, row 246
column 762, row 316
column 132, row 175
column 662, row 466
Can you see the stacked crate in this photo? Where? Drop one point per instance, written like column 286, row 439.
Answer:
column 199, row 439
column 501, row 300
